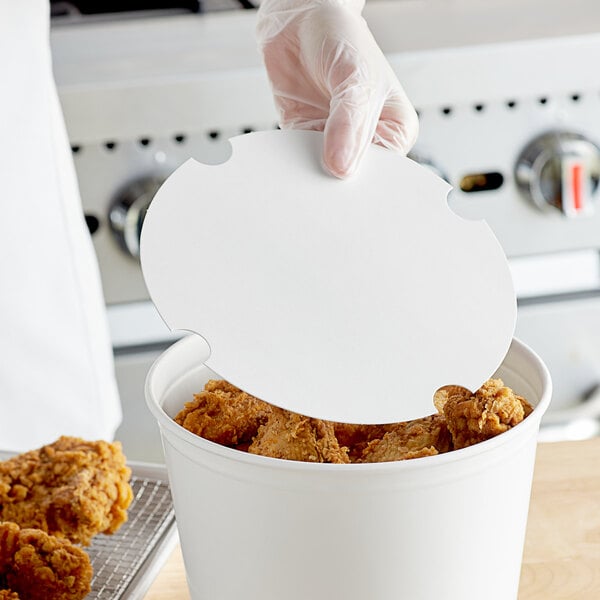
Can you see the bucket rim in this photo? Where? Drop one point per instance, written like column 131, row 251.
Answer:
column 167, row 423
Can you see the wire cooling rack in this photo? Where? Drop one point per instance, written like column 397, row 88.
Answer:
column 126, row 562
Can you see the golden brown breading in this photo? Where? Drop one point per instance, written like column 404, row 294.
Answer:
column 72, row 489
column 527, row 408
column 356, row 437
column 442, row 395
column 295, row 437
column 491, row 410
column 8, row 595
column 421, row 437
column 224, row 414
column 38, row 566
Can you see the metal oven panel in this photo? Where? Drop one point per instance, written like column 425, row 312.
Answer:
column 141, row 95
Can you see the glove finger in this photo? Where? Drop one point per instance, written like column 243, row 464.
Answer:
column 296, row 95
column 356, row 103
column 398, row 125
column 348, row 132
column 298, row 114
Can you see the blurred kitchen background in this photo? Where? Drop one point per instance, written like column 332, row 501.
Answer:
column 508, row 94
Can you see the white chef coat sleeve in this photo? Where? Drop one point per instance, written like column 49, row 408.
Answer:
column 56, row 364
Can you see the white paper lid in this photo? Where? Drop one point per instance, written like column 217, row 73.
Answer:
column 346, row 300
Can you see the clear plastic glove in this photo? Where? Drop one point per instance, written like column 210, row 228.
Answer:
column 329, row 74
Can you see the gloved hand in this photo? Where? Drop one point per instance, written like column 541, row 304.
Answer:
column 329, row 74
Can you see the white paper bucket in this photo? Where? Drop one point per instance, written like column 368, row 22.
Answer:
column 444, row 527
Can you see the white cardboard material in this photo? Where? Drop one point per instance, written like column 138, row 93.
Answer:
column 446, row 527
column 346, row 300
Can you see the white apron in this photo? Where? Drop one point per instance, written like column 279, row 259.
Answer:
column 56, row 365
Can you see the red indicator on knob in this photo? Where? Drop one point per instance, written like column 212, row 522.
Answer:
column 575, row 201
column 576, row 172
column 560, row 169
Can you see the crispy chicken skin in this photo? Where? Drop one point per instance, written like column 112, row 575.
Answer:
column 357, row 437
column 527, row 408
column 491, row 410
column 71, row 489
column 224, row 414
column 38, row 566
column 294, row 437
column 414, row 439
column 442, row 395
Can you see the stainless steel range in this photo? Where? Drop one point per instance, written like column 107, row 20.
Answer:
column 509, row 103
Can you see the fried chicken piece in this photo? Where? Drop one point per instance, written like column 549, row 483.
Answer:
column 389, row 451
column 38, row 566
column 527, row 408
column 442, row 395
column 295, row 437
column 491, row 410
column 224, row 414
column 357, row 437
column 422, row 437
column 71, row 489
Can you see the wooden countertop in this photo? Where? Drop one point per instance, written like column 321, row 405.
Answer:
column 562, row 548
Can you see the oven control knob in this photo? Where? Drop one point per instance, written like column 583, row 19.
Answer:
column 560, row 169
column 127, row 212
